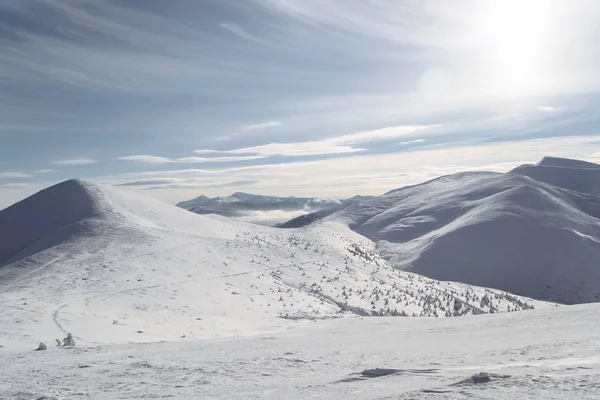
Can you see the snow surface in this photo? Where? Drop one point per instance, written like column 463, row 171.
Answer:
column 549, row 354
column 580, row 176
column 162, row 272
column 506, row 231
column 164, row 303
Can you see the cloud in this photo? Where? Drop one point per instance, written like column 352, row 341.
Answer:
column 295, row 149
column 149, row 182
column 15, row 175
column 241, row 32
column 260, row 126
column 45, row 171
column 270, row 218
column 146, row 159
column 209, row 183
column 186, row 160
column 414, row 141
column 183, row 183
column 247, row 182
column 10, row 186
column 74, row 161
column 335, row 145
column 375, row 174
column 547, row 109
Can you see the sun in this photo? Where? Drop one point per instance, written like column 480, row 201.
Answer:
column 516, row 37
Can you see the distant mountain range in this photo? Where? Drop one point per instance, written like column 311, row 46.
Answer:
column 240, row 204
column 533, row 231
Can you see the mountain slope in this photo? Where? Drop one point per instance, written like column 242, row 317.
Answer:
column 505, row 231
column 161, row 272
column 580, row 176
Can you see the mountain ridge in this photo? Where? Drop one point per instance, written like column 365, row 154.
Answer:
column 161, row 272
column 241, row 204
column 488, row 229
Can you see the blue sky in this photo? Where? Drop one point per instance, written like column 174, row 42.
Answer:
column 291, row 97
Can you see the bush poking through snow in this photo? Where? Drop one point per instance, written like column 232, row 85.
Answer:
column 481, row 377
column 66, row 342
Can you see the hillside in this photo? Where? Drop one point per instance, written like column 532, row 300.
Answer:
column 506, row 231
column 113, row 266
column 574, row 175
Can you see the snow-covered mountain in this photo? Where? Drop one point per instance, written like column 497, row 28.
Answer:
column 241, row 204
column 580, row 176
column 506, row 231
column 113, row 266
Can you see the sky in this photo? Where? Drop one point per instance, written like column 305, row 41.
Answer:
column 328, row 98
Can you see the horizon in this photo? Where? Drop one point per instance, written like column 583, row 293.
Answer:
column 264, row 218
column 297, row 98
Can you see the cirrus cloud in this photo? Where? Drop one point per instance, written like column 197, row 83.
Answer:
column 335, row 145
column 15, row 175
column 14, row 186
column 74, row 161
column 185, row 160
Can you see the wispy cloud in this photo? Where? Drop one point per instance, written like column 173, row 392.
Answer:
column 150, row 182
column 547, row 109
column 365, row 174
column 45, row 171
column 335, row 145
column 11, row 186
column 186, row 160
column 414, row 141
column 260, row 126
column 241, row 33
column 74, row 161
column 15, row 175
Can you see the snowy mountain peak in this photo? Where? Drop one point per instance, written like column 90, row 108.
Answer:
column 534, row 231
column 549, row 161
column 576, row 175
column 54, row 211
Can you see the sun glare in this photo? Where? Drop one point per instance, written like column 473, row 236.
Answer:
column 516, row 36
